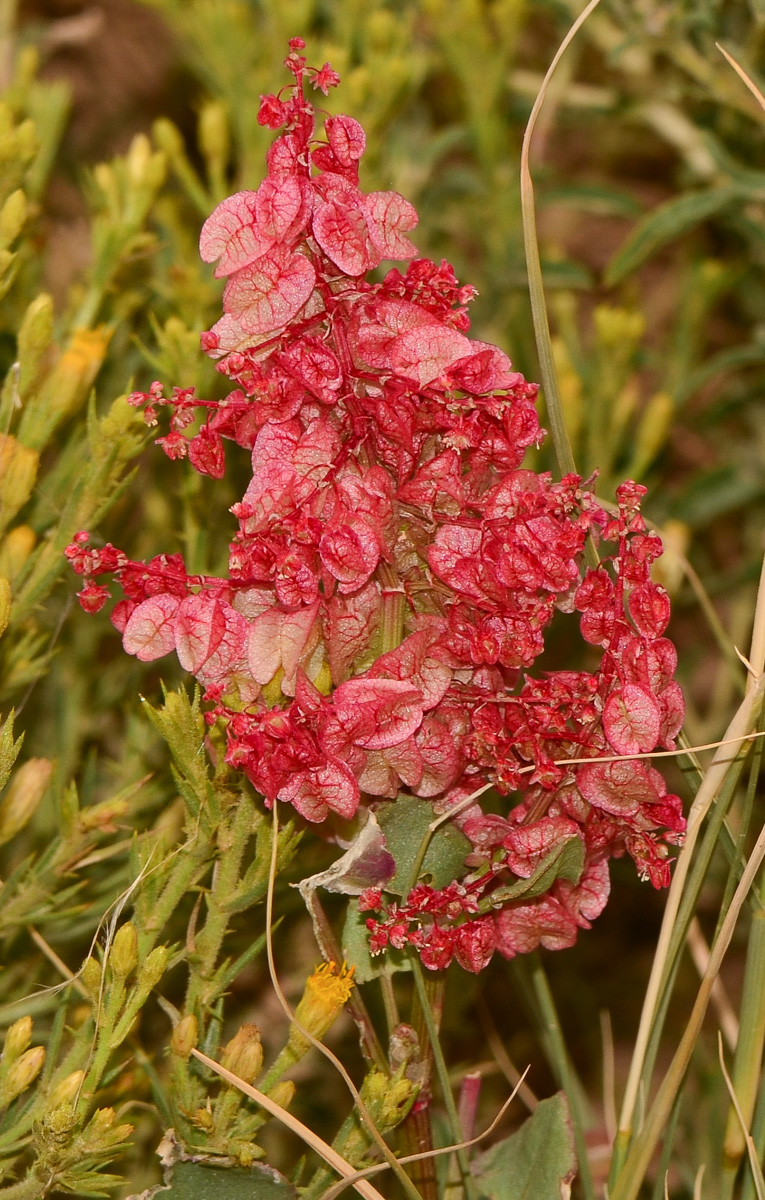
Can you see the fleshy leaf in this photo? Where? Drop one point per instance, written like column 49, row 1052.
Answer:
column 269, row 293
column 632, row 720
column 150, row 630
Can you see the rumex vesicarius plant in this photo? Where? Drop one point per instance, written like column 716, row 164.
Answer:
column 395, row 571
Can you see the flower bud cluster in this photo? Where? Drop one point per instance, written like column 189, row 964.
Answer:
column 395, row 569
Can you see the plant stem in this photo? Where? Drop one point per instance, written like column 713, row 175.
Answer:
column 561, row 1065
column 443, row 1077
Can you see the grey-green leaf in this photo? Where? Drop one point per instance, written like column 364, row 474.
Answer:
column 537, row 1162
column 405, row 823
column 355, row 944
column 193, row 1181
column 664, row 224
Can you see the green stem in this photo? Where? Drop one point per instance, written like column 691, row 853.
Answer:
column 561, row 1065
column 443, row 1077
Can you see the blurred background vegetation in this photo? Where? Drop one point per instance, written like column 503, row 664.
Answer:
column 121, row 126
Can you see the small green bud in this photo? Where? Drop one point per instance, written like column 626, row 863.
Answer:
column 17, row 1039
column 24, row 793
column 123, row 955
column 23, row 1071
column 153, row 968
column 13, row 214
column 185, row 1036
column 91, row 975
column 65, row 1091
column 244, row 1054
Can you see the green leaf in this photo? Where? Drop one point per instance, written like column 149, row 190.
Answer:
column 537, row 1162
column 664, row 224
column 193, row 1181
column 355, row 943
column 566, row 861
column 405, row 825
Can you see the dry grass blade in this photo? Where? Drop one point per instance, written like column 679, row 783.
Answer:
column 739, row 727
column 754, row 1161
column 743, row 76
column 558, row 429
column 697, row 944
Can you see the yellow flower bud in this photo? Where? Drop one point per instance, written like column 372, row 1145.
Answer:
column 185, row 1036
column 168, row 138
column 104, row 815
column 18, row 473
column 326, row 991
column 244, row 1054
column 71, row 379
column 123, row 955
column 282, row 1093
column 17, row 1038
column 90, row 976
column 34, row 338
column 5, row 604
column 23, row 796
column 13, row 214
column 203, row 1119
column 214, row 133
column 15, row 549
column 66, row 1090
column 26, row 140
column 23, row 1071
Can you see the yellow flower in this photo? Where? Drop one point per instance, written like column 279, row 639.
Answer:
column 326, row 991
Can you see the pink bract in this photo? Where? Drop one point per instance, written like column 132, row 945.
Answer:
column 395, row 568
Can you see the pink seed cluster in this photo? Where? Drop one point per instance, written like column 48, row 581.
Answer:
column 395, row 569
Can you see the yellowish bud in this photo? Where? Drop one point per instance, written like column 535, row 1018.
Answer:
column 203, row 1119
column 5, row 603
column 23, row 796
column 669, row 570
column 244, row 1054
column 34, row 337
column 23, row 1071
column 17, row 1038
column 282, row 1093
column 91, row 975
column 13, row 214
column 26, row 140
column 651, row 433
column 168, row 138
column 326, row 991
column 185, row 1036
column 153, row 968
column 18, row 472
column 123, row 955
column 15, row 549
column 103, row 816
column 617, row 326
column 214, row 133
column 65, row 1091
column 71, row 379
